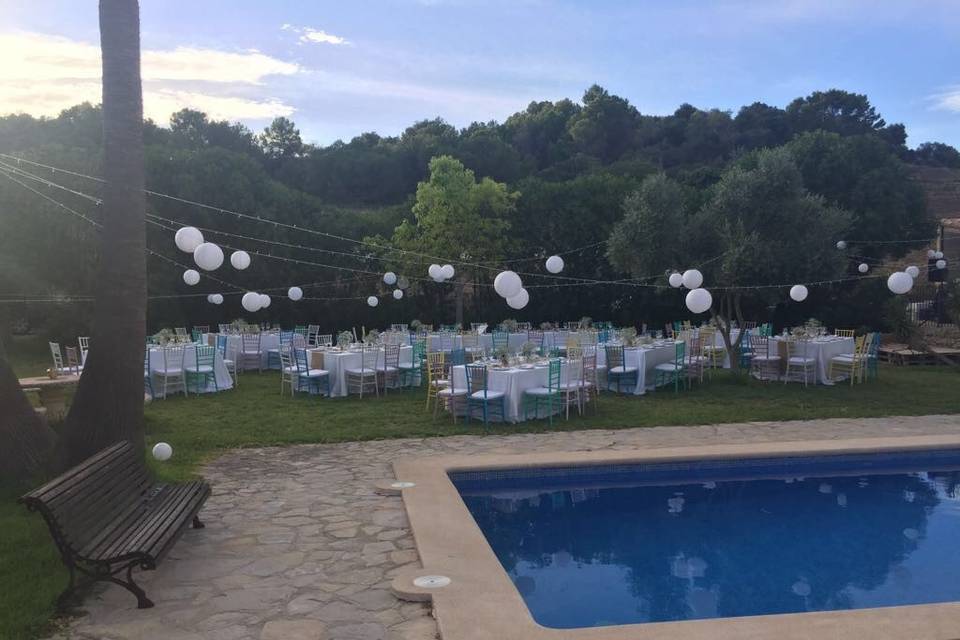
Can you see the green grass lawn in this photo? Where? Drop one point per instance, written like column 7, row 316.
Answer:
column 255, row 415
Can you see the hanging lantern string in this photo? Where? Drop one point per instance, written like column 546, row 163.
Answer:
column 304, row 262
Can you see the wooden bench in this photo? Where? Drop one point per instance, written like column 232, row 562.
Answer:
column 107, row 517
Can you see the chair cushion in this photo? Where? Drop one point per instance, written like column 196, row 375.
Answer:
column 540, row 391
column 668, row 366
column 618, row 370
column 491, row 395
column 362, row 372
column 448, row 392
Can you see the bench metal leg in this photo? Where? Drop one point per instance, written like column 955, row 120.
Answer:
column 197, row 524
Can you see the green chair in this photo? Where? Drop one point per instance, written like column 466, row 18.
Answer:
column 549, row 395
column 202, row 372
column 672, row 371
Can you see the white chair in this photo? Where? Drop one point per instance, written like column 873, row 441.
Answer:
column 364, row 377
column 171, row 376
column 798, row 362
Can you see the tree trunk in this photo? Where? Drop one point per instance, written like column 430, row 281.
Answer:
column 27, row 440
column 109, row 403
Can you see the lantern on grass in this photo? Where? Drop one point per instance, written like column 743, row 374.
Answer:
column 798, row 293
column 390, row 278
column 519, row 300
column 692, row 279
column 188, row 239
column 264, row 301
column 294, row 293
column 863, row 268
column 251, row 301
column 373, row 301
column 240, row 260
column 554, row 264
column 191, row 277
column 675, row 279
column 913, row 271
column 900, row 282
column 699, row 300
column 397, row 294
column 162, row 451
column 507, row 284
column 208, row 256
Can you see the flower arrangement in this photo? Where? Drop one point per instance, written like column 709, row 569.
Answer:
column 509, row 325
column 344, row 338
column 528, row 349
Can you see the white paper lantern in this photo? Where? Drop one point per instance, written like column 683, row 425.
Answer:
column 294, row 293
column 913, row 271
column 390, row 277
column 798, row 293
column 842, row 244
column 676, row 279
column 507, row 284
column 264, row 301
column 188, row 239
column 373, row 301
column 251, row 301
column 162, row 451
column 938, row 255
column 554, row 264
column 900, row 282
column 208, row 256
column 519, row 300
column 447, row 271
column 941, row 264
column 863, row 268
column 240, row 260
column 397, row 294
column 699, row 300
column 191, row 277
column 692, row 279
column 931, row 253
column 216, row 298
column 435, row 271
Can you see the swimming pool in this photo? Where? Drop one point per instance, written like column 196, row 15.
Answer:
column 599, row 545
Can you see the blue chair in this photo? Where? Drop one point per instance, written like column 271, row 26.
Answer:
column 479, row 396
column 617, row 369
column 202, row 372
column 549, row 395
column 310, row 380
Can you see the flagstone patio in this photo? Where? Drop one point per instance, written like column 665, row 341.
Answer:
column 298, row 545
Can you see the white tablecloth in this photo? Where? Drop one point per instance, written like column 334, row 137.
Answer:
column 224, row 381
column 337, row 363
column 513, row 382
column 822, row 350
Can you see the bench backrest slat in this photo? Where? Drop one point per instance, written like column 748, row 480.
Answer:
column 90, row 501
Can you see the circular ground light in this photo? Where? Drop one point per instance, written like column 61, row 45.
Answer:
column 431, row 582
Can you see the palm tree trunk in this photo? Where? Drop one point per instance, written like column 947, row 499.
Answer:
column 27, row 440
column 109, row 402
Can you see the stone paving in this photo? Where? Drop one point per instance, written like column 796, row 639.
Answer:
column 298, row 546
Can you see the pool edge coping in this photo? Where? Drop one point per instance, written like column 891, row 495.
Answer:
column 481, row 602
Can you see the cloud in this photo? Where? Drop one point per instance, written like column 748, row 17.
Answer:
column 948, row 100
column 317, row 36
column 43, row 74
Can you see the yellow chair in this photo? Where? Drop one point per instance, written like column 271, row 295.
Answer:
column 843, row 333
column 852, row 364
column 436, row 375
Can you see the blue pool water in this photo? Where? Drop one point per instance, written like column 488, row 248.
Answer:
column 594, row 546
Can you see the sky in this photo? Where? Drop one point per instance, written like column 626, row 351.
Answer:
column 341, row 68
